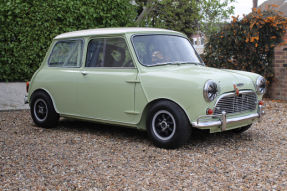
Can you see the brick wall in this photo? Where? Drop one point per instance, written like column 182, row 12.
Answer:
column 278, row 90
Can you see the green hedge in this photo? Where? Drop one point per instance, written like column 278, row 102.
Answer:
column 28, row 27
column 247, row 44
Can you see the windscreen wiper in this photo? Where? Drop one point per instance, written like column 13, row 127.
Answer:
column 179, row 63
column 173, row 63
column 159, row 64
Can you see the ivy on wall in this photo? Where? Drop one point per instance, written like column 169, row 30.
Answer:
column 28, row 27
column 247, row 44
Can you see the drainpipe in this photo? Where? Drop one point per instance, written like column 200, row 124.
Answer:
column 282, row 72
column 255, row 3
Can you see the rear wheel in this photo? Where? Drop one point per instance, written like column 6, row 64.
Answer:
column 241, row 129
column 42, row 110
column 167, row 125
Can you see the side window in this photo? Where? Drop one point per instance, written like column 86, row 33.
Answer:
column 108, row 52
column 141, row 51
column 67, row 54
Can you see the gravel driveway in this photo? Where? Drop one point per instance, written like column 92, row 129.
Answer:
column 82, row 156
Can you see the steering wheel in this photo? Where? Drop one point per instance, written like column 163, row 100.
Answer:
column 129, row 63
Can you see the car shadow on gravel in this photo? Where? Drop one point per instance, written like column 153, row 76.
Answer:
column 202, row 138
column 198, row 137
column 113, row 131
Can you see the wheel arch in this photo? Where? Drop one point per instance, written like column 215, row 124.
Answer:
column 142, row 124
column 45, row 91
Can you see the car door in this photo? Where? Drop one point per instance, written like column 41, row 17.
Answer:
column 105, row 88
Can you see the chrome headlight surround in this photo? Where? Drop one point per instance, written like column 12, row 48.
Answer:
column 260, row 85
column 210, row 91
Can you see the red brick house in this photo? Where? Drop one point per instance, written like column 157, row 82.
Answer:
column 278, row 87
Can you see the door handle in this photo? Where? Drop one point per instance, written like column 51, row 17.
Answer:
column 84, row 73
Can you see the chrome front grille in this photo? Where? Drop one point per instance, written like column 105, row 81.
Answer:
column 231, row 103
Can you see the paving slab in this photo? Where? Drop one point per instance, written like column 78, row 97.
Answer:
column 12, row 96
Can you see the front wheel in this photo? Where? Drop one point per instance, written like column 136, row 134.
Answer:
column 167, row 125
column 42, row 110
column 241, row 129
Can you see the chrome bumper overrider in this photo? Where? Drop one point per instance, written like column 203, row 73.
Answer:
column 224, row 121
column 26, row 99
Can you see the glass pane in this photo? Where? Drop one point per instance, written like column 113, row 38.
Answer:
column 67, row 53
column 157, row 49
column 109, row 52
column 95, row 53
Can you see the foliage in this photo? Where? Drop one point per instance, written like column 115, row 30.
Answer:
column 186, row 16
column 28, row 26
column 247, row 44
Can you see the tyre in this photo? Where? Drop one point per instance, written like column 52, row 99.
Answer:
column 241, row 129
column 167, row 125
column 42, row 110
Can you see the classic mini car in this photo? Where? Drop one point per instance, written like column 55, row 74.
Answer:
column 145, row 78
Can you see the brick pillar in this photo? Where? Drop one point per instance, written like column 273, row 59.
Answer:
column 279, row 90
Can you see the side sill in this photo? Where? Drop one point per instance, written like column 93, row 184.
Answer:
column 106, row 121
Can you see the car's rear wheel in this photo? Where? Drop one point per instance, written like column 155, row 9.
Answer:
column 167, row 125
column 42, row 110
column 241, row 129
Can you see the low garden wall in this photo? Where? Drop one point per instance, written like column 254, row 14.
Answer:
column 12, row 96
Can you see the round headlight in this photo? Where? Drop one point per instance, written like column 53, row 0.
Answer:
column 210, row 91
column 260, row 85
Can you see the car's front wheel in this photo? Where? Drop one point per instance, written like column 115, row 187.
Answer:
column 42, row 110
column 167, row 125
column 241, row 129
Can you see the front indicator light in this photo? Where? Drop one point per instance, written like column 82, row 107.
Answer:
column 209, row 111
column 261, row 103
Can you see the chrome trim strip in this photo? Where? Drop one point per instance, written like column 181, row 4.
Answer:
column 133, row 81
column 223, row 122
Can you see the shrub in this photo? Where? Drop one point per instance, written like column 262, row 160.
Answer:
column 28, row 27
column 247, row 44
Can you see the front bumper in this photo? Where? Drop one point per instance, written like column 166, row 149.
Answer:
column 224, row 121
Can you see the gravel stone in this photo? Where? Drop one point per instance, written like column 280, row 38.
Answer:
column 79, row 155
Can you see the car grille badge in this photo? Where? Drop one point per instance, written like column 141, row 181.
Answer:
column 236, row 89
column 240, row 84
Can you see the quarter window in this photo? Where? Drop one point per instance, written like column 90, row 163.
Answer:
column 108, row 52
column 67, row 54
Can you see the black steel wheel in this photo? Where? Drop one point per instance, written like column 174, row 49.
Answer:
column 241, row 129
column 42, row 110
column 163, row 125
column 167, row 125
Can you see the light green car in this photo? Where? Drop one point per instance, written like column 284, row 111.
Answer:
column 145, row 78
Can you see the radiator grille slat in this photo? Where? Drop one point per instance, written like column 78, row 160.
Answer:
column 233, row 104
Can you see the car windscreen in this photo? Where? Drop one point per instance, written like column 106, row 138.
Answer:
column 155, row 50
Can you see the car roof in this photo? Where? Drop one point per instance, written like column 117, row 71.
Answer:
column 119, row 30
